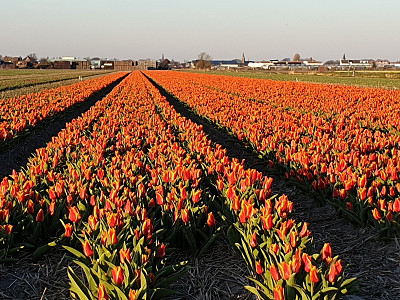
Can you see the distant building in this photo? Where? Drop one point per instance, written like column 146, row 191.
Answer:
column 10, row 62
column 356, row 63
column 125, row 65
column 147, row 64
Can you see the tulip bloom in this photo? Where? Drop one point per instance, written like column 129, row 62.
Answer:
column 118, row 275
column 113, row 236
column 133, row 295
column 259, row 268
column 275, row 273
column 102, row 292
column 87, row 249
column 125, row 254
column 74, row 214
column 253, row 241
column 211, row 219
column 185, row 215
column 279, row 293
column 314, row 274
column 376, row 214
column 267, row 221
column 327, row 252
column 161, row 251
column 40, row 216
column 68, row 230
column 196, row 196
column 332, row 273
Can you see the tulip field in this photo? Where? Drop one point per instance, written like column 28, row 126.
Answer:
column 19, row 113
column 342, row 142
column 131, row 181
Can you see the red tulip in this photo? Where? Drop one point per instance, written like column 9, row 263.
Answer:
column 125, row 254
column 133, row 295
column 307, row 262
column 376, row 214
column 253, row 241
column 304, row 230
column 87, row 248
column 113, row 236
column 285, row 270
column 40, row 216
column 161, row 251
column 279, row 293
column 102, row 292
column 314, row 274
column 274, row 272
column 259, row 268
column 396, row 205
column 68, row 230
column 196, row 196
column 327, row 252
column 185, row 215
column 267, row 221
column 74, row 214
column 118, row 275
column 332, row 273
column 211, row 219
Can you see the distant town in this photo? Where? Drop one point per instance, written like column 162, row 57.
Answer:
column 31, row 61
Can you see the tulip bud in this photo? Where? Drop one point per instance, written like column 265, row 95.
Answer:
column 314, row 274
column 118, row 275
column 40, row 216
column 87, row 248
column 102, row 292
column 211, row 219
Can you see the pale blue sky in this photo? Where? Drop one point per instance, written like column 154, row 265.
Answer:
column 180, row 29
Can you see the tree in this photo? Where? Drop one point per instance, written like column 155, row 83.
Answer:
column 204, row 61
column 296, row 57
column 33, row 56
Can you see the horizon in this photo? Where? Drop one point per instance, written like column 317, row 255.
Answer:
column 181, row 30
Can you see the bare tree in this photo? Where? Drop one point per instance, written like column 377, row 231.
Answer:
column 33, row 56
column 296, row 57
column 204, row 61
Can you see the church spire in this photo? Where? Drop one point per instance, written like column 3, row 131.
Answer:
column 243, row 59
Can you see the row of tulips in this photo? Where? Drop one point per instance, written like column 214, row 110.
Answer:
column 129, row 180
column 276, row 248
column 19, row 113
column 116, row 188
column 350, row 159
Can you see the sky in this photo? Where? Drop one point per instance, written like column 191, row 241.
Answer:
column 261, row 29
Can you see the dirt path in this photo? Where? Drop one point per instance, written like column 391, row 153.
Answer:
column 375, row 263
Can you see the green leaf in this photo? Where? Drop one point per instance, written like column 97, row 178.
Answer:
column 258, row 293
column 93, row 286
column 41, row 251
column 78, row 254
column 348, row 282
column 78, row 287
column 166, row 281
column 206, row 246
column 164, row 272
column 302, row 292
column 113, row 288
